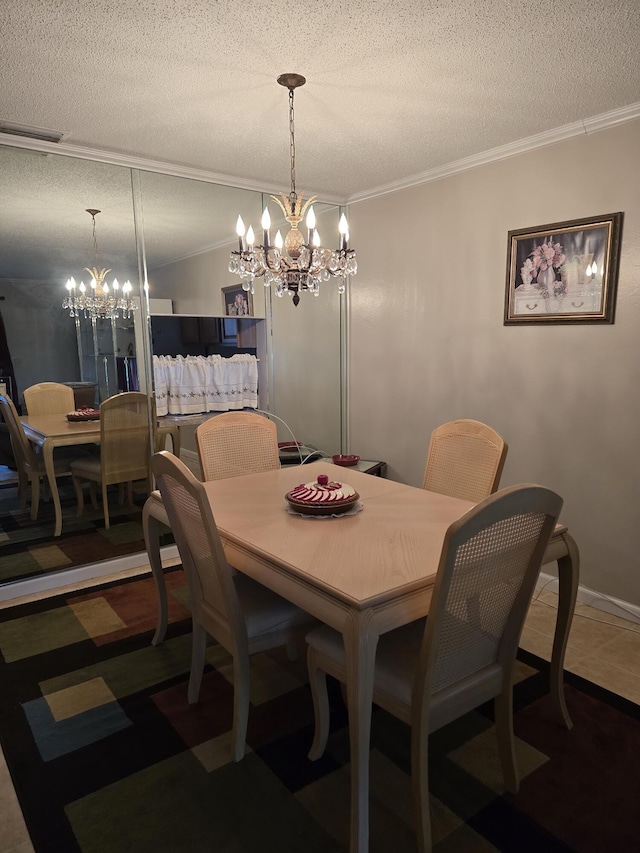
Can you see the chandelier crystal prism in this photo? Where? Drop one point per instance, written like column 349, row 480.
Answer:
column 100, row 300
column 292, row 265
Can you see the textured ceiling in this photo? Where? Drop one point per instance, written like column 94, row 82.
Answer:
column 394, row 88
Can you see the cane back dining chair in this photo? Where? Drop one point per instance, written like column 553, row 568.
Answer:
column 229, row 445
column 49, row 398
column 465, row 460
column 236, row 443
column 124, row 448
column 242, row 615
column 29, row 463
column 430, row 676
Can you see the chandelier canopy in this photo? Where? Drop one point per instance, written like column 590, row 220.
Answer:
column 100, row 300
column 292, row 264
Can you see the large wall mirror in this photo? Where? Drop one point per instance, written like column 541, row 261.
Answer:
column 180, row 232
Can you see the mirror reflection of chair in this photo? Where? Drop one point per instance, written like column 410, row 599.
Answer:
column 428, row 677
column 465, row 460
column 229, row 445
column 49, row 398
column 242, row 615
column 29, row 463
column 124, row 449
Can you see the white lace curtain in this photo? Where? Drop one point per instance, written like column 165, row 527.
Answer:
column 187, row 385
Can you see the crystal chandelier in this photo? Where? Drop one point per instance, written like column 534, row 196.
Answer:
column 99, row 301
column 292, row 265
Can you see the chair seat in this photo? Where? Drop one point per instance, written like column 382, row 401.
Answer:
column 396, row 656
column 90, row 468
column 86, row 466
column 264, row 611
column 60, row 465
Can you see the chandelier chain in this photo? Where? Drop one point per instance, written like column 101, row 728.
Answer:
column 292, row 145
column 95, row 240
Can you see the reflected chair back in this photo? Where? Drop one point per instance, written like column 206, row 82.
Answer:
column 125, row 449
column 125, row 438
column 49, row 398
column 465, row 460
column 29, row 464
column 236, row 443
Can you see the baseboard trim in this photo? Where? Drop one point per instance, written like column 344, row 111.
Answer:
column 615, row 606
column 92, row 571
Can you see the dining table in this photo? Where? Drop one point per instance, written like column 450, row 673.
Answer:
column 51, row 431
column 363, row 573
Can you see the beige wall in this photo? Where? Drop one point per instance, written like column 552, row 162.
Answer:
column 428, row 344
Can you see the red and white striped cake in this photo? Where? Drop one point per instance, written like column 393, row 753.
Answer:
column 322, row 492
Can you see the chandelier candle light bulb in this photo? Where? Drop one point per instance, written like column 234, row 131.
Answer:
column 291, row 264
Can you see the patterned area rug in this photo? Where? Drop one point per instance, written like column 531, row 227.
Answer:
column 108, row 757
column 28, row 548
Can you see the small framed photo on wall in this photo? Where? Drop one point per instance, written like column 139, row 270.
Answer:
column 565, row 272
column 237, row 302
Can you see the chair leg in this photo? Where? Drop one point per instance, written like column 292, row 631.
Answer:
column 198, row 647
column 241, row 689
column 420, row 784
column 23, row 488
column 503, row 705
column 105, row 506
column 150, row 529
column 292, row 648
column 121, row 492
column 35, row 497
column 93, row 494
column 318, row 684
column 77, row 485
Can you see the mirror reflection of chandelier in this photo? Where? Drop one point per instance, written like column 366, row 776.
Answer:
column 292, row 265
column 99, row 300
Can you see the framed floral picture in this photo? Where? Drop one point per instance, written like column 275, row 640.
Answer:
column 565, row 272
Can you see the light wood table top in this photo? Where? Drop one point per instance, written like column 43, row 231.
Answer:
column 364, row 559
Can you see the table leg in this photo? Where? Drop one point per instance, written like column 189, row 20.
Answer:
column 47, row 455
column 360, row 641
column 568, row 579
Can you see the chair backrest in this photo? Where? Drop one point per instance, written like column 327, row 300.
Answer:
column 125, row 438
column 22, row 448
column 465, row 460
column 49, row 398
column 489, row 564
column 211, row 588
column 236, row 443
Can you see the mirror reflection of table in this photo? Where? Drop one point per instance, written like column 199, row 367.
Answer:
column 51, row 431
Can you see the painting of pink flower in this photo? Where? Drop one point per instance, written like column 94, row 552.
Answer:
column 547, row 254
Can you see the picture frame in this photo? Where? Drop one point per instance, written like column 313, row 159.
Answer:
column 564, row 272
column 237, row 302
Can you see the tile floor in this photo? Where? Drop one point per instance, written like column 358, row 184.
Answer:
column 602, row 648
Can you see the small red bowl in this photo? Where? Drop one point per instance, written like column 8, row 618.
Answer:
column 345, row 459
column 290, row 446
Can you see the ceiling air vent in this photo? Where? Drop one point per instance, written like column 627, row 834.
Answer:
column 39, row 133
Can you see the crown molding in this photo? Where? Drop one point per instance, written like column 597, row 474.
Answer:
column 131, row 161
column 540, row 140
column 531, row 143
